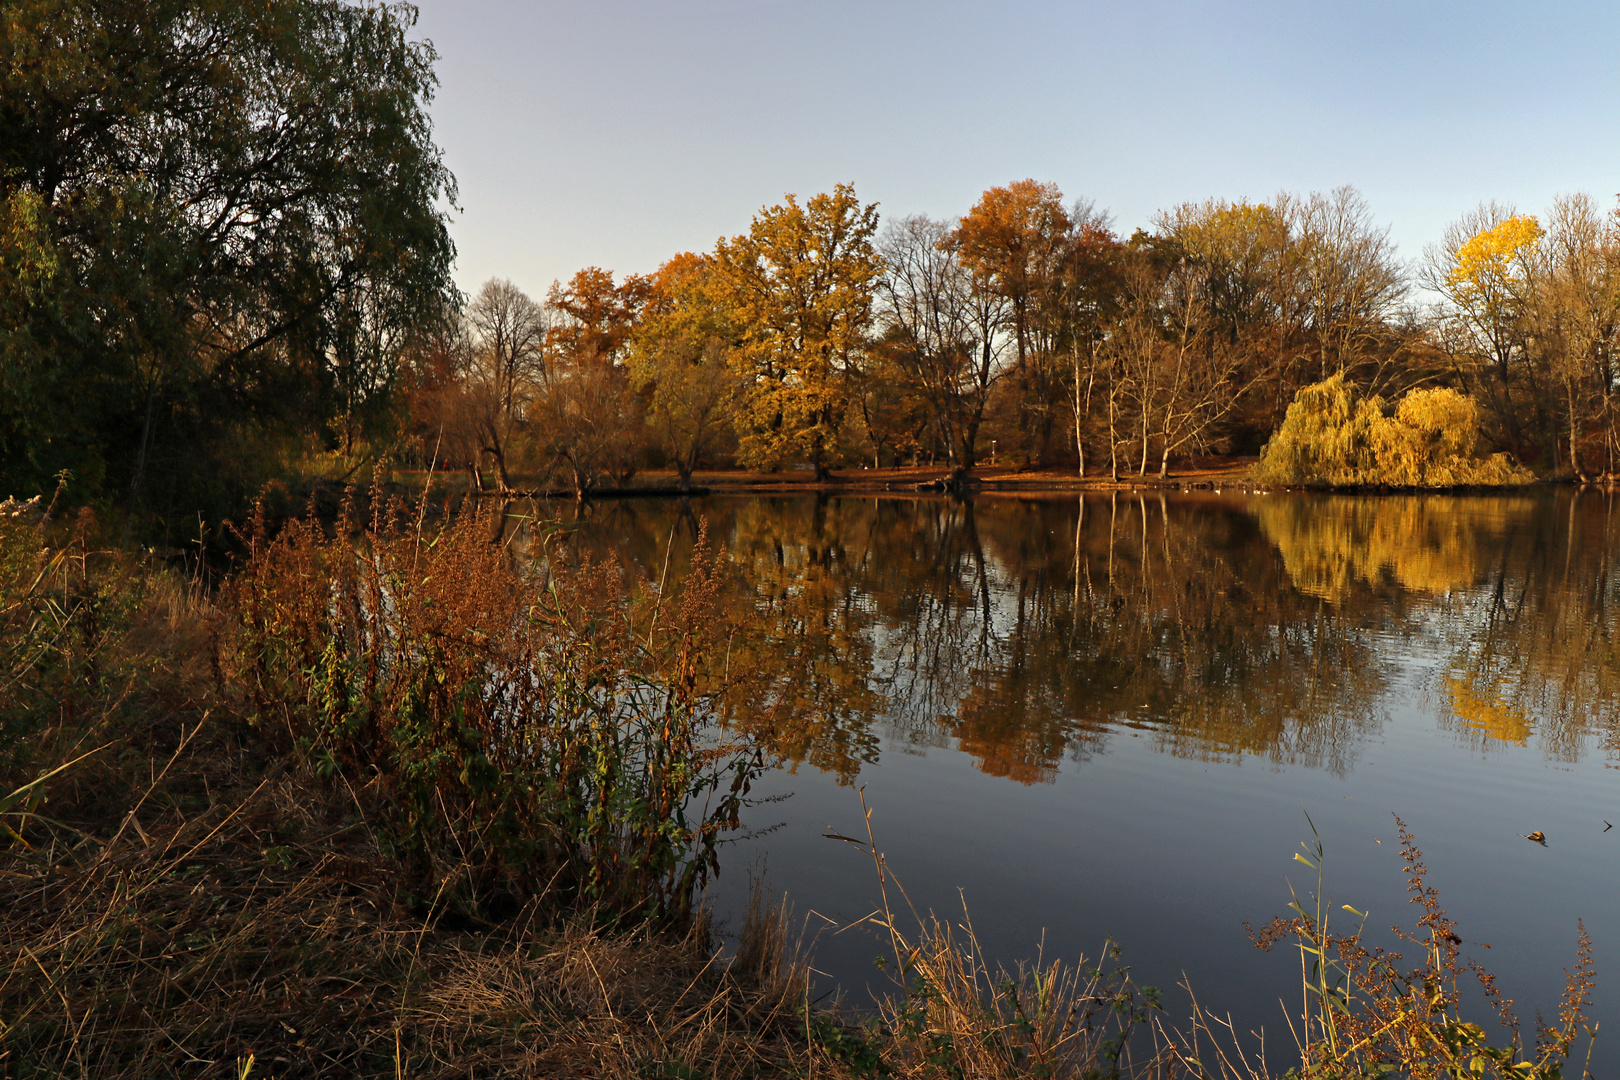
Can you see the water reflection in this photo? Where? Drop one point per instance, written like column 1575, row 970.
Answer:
column 1027, row 631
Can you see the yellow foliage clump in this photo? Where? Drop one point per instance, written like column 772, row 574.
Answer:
column 1490, row 254
column 1331, row 439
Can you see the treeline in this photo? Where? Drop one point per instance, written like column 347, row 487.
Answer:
column 1029, row 330
column 225, row 256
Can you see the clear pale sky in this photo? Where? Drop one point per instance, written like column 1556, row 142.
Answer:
column 615, row 133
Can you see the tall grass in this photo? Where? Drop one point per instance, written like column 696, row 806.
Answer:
column 953, row 1015
column 1365, row 1016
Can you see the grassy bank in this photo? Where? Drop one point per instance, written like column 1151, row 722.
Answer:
column 385, row 801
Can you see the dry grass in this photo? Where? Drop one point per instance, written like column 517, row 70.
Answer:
column 267, row 927
column 190, row 896
column 953, row 1015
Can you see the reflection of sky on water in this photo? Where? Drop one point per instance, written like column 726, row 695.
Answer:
column 1174, row 683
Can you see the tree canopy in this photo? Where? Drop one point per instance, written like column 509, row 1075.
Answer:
column 217, row 221
column 800, row 285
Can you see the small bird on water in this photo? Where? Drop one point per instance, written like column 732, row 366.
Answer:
column 1538, row 838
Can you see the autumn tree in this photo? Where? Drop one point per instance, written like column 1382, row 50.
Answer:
column 590, row 418
column 1576, row 318
column 1012, row 240
column 799, row 286
column 1084, row 301
column 1485, row 270
column 681, row 359
column 895, row 416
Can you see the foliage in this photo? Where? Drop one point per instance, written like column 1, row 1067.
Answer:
column 1332, row 438
column 589, row 417
column 218, row 224
column 681, row 358
column 1012, row 241
column 1494, row 256
column 507, row 729
column 799, row 287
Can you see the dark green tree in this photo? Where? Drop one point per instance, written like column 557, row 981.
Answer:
column 220, row 226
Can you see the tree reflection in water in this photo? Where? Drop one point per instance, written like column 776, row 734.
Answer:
column 1025, row 630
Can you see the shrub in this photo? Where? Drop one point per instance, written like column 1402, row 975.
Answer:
column 1330, row 438
column 501, row 725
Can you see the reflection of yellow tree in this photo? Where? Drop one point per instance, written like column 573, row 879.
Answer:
column 1478, row 708
column 1535, row 645
column 1332, row 544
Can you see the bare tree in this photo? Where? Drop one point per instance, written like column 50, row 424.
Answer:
column 507, row 339
column 1573, row 316
column 947, row 326
column 1349, row 280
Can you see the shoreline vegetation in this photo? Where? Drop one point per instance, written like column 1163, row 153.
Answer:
column 303, row 822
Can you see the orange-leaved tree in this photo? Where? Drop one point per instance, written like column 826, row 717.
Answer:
column 1013, row 240
column 590, row 413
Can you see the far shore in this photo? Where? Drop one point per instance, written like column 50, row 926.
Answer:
column 1214, row 473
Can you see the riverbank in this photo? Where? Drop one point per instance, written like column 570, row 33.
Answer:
column 207, row 876
column 191, row 892
column 1211, row 473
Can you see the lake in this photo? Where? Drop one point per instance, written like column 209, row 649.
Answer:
column 1106, row 718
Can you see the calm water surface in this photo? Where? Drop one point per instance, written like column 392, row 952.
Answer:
column 1107, row 717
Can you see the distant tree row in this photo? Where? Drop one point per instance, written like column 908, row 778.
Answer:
column 1029, row 330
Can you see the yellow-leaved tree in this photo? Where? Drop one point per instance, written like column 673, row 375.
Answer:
column 1489, row 280
column 681, row 360
column 798, row 288
column 1331, row 439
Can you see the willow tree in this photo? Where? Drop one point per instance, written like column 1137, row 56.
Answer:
column 220, row 219
column 799, row 288
column 1333, row 437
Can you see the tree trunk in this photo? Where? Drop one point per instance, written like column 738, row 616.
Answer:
column 1574, row 448
column 1113, row 441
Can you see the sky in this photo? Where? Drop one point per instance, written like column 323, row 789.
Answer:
column 615, row 133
